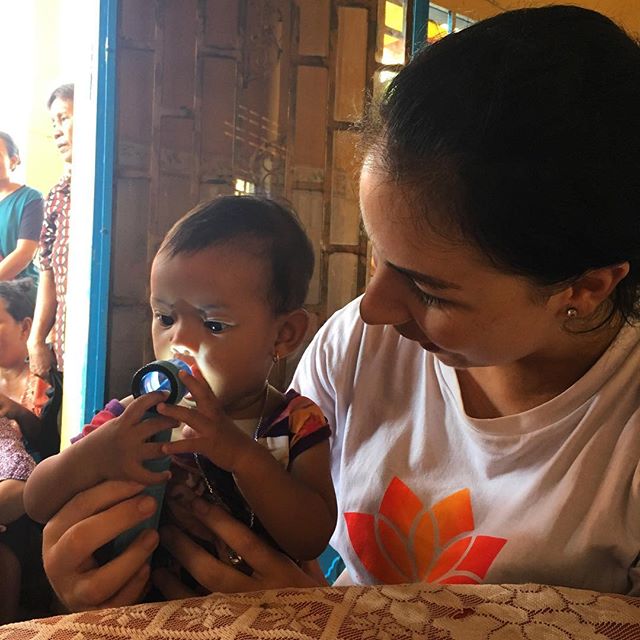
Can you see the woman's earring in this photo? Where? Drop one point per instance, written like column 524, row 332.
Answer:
column 572, row 313
column 276, row 357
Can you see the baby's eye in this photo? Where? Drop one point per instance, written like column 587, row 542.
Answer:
column 216, row 326
column 165, row 321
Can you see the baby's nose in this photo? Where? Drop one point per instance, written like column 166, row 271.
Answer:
column 183, row 340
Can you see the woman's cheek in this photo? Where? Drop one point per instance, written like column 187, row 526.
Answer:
column 440, row 330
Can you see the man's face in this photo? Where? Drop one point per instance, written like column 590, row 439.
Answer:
column 61, row 112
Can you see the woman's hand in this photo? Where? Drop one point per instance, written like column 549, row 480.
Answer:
column 83, row 525
column 271, row 569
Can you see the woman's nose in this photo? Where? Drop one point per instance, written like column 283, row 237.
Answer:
column 384, row 301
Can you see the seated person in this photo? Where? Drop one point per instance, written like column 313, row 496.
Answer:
column 22, row 396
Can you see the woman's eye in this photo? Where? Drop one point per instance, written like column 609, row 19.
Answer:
column 215, row 326
column 165, row 321
column 427, row 299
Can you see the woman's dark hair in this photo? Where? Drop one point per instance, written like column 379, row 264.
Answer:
column 521, row 134
column 63, row 92
column 19, row 297
column 12, row 147
column 273, row 225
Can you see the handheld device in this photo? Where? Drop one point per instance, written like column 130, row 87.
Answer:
column 159, row 375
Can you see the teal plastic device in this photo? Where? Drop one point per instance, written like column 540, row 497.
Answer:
column 159, row 375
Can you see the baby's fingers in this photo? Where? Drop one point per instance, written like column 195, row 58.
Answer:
column 151, row 426
column 204, row 425
column 190, row 445
column 201, row 393
column 136, row 411
column 141, row 474
column 152, row 451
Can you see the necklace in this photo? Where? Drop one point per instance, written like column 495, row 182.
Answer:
column 196, row 456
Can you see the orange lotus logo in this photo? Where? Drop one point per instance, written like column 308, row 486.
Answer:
column 404, row 542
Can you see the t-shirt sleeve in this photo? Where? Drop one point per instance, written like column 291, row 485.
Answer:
column 31, row 221
column 112, row 410
column 312, row 377
column 307, row 426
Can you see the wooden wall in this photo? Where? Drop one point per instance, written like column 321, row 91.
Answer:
column 211, row 91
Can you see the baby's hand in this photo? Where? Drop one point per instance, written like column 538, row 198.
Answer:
column 209, row 431
column 121, row 444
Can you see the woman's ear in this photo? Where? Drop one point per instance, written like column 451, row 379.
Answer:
column 25, row 327
column 292, row 330
column 591, row 289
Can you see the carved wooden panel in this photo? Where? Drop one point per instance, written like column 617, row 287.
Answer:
column 224, row 96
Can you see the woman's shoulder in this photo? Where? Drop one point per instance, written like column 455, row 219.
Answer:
column 33, row 193
column 25, row 194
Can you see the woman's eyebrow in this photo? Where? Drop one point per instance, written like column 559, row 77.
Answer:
column 430, row 281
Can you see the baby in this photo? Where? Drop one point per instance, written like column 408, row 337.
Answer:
column 227, row 288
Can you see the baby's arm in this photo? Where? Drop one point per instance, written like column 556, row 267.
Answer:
column 297, row 508
column 115, row 451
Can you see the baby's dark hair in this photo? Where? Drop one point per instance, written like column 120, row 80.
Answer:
column 12, row 147
column 19, row 297
column 521, row 135
column 274, row 226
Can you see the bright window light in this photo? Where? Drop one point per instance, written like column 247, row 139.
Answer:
column 243, row 187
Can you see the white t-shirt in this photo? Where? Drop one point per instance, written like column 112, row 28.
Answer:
column 427, row 493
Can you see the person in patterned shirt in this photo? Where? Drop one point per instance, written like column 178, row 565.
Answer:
column 49, row 319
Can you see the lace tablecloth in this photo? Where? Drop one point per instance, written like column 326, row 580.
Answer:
column 401, row 612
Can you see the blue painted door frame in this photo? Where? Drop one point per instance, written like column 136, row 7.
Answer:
column 105, row 87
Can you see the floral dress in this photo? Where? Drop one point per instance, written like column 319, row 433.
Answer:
column 15, row 462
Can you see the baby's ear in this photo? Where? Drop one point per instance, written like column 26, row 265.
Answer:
column 292, row 331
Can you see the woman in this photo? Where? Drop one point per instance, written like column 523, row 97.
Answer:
column 484, row 392
column 51, row 306
column 21, row 399
column 21, row 213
